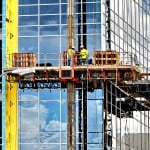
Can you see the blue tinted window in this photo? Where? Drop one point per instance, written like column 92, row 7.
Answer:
column 43, row 30
column 28, row 10
column 28, row 31
column 64, row 19
column 48, row 1
column 49, row 19
column 22, row 2
column 64, row 8
column 28, row 20
column 28, row 44
column 49, row 30
column 49, row 9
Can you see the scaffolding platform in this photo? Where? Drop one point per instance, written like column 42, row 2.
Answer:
column 63, row 73
column 119, row 79
column 51, row 77
column 122, row 77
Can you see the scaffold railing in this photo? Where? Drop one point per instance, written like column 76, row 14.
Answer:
column 99, row 57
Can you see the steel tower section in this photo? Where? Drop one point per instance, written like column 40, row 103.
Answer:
column 9, row 94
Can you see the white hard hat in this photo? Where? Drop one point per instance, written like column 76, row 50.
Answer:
column 81, row 46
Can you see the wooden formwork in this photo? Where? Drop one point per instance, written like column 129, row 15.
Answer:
column 106, row 58
column 24, row 60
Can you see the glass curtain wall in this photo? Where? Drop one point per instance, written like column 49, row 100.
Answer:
column 130, row 35
column 43, row 112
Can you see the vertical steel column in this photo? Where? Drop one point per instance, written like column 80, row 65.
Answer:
column 105, row 115
column 82, row 29
column 108, row 104
column 108, row 47
column 82, row 40
column 83, row 119
column 71, row 123
column 107, row 25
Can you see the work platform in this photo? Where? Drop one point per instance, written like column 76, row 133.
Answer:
column 72, row 73
column 124, row 80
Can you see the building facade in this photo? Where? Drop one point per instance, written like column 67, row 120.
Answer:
column 42, row 29
column 42, row 113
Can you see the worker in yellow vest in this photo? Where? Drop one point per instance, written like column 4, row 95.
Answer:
column 84, row 54
column 138, row 67
column 70, row 53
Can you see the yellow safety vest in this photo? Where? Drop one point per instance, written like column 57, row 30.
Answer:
column 84, row 54
column 138, row 68
column 70, row 52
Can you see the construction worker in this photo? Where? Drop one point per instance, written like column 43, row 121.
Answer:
column 138, row 68
column 70, row 53
column 84, row 54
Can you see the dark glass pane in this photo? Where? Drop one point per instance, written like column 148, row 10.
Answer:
column 64, row 19
column 23, row 2
column 28, row 10
column 49, row 9
column 49, row 19
column 48, row 1
column 28, row 31
column 28, row 20
column 49, row 30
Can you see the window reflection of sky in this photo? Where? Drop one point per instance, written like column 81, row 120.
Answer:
column 28, row 10
column 45, row 120
column 43, row 113
column 45, row 34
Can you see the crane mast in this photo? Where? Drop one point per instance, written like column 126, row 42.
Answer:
column 71, row 125
column 82, row 109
